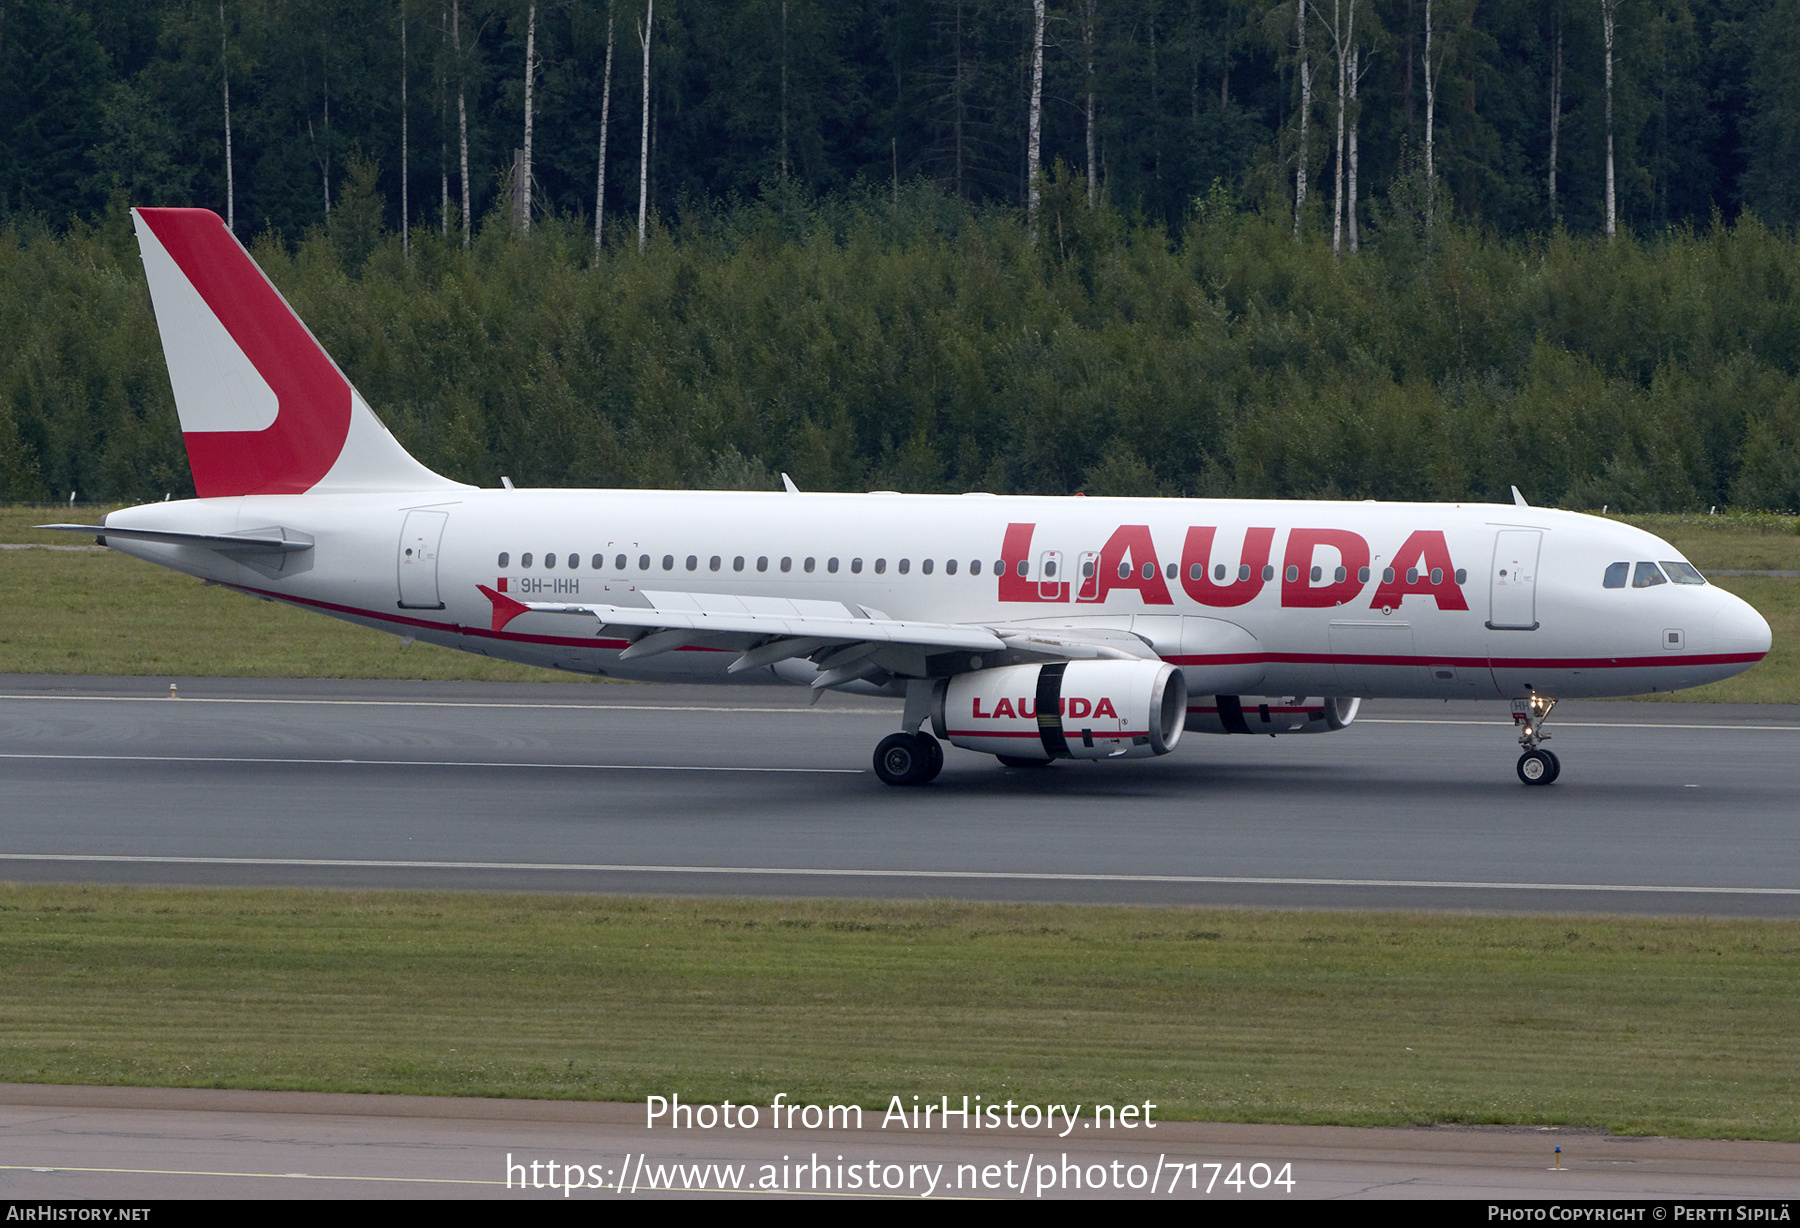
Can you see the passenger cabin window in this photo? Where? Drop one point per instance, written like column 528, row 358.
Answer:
column 619, row 563
column 808, row 565
column 999, row 567
column 643, row 562
column 762, row 563
column 712, row 564
column 668, row 562
column 831, row 566
column 924, row 566
column 1268, row 572
column 1683, row 573
column 549, row 560
column 600, row 562
column 1647, row 575
column 949, row 567
column 737, row 563
column 692, row 562
column 855, row 567
column 974, row 567
column 905, row 566
column 504, row 556
column 525, row 559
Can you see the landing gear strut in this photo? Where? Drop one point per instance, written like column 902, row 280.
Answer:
column 908, row 759
column 1536, row 766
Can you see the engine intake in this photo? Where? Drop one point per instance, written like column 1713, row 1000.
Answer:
column 1066, row 710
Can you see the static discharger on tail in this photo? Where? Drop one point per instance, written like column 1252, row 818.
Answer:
column 1031, row 629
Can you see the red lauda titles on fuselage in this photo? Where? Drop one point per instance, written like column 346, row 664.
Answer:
column 1071, row 707
column 1320, row 568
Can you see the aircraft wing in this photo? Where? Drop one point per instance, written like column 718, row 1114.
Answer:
column 845, row 641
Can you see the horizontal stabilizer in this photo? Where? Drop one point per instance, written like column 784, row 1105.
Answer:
column 256, row 541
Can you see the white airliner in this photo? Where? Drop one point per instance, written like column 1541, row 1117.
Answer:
column 1032, row 629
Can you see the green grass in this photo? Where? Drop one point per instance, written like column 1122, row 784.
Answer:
column 104, row 613
column 98, row 612
column 1663, row 1026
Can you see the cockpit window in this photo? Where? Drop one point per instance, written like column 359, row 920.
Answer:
column 1648, row 575
column 1616, row 574
column 1683, row 573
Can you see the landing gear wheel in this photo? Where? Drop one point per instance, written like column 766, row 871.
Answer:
column 902, row 759
column 1015, row 761
column 934, row 757
column 1538, row 767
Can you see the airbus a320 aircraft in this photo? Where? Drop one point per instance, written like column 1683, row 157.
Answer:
column 1032, row 629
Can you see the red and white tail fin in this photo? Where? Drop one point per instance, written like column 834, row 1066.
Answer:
column 264, row 410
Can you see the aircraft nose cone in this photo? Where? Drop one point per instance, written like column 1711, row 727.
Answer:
column 1739, row 628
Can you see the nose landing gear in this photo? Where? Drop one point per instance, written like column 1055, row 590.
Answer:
column 1536, row 766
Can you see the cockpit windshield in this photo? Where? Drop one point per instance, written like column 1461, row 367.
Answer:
column 1647, row 575
column 1683, row 573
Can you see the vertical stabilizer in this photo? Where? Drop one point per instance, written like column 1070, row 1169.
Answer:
column 264, row 410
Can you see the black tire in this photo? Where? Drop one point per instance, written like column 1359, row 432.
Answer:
column 900, row 759
column 1537, row 767
column 1555, row 766
column 934, row 757
column 1016, row 762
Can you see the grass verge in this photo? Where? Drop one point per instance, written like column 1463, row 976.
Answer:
column 1682, row 1027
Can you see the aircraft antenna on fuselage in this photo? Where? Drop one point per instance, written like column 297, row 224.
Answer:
column 788, row 485
column 1519, row 499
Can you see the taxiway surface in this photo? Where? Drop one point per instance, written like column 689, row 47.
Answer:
column 1661, row 808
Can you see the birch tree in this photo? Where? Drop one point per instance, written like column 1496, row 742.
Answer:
column 525, row 162
column 1556, row 71
column 644, row 148
column 1305, row 66
column 1608, row 10
column 1087, row 40
column 405, row 214
column 605, row 120
column 443, row 123
column 225, row 75
column 1034, row 147
column 462, row 117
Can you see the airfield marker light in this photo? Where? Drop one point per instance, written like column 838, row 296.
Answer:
column 1558, row 1157
column 171, row 690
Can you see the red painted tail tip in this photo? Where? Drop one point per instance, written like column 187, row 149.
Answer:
column 505, row 608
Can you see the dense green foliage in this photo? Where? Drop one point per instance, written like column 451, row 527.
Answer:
column 929, row 347
column 98, row 96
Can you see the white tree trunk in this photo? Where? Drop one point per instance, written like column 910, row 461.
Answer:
column 1430, row 123
column 1305, row 111
column 525, row 164
column 225, row 72
column 443, row 126
column 605, row 120
column 644, row 152
column 1355, row 72
column 1608, row 8
column 1339, row 39
column 462, row 122
column 1556, row 69
column 784, row 93
column 1034, row 149
column 405, row 214
column 1087, row 38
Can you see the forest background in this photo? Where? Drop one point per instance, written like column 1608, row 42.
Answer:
column 1361, row 248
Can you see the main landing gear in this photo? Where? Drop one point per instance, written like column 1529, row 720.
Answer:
column 908, row 759
column 1536, row 766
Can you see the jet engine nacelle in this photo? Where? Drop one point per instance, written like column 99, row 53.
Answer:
column 1066, row 710
column 1269, row 714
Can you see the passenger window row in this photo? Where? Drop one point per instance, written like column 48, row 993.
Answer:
column 1648, row 575
column 622, row 563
